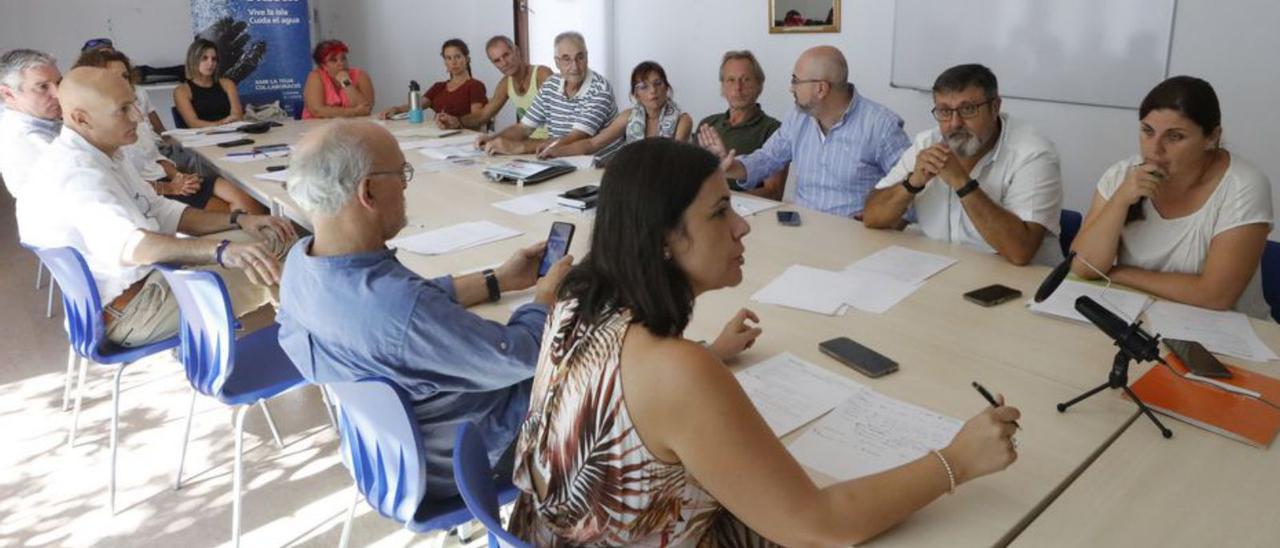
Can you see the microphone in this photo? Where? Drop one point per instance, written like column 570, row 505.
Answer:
column 1131, row 338
column 1059, row 273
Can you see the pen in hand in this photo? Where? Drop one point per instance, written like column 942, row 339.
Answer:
column 991, row 400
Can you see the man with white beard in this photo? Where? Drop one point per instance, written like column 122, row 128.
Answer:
column 981, row 177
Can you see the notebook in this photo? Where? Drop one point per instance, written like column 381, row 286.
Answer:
column 525, row 172
column 1235, row 416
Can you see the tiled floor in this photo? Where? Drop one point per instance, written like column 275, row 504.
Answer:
column 55, row 495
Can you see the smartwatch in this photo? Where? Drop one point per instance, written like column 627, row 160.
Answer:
column 491, row 282
column 906, row 183
column 968, row 187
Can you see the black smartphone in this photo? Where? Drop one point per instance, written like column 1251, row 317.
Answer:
column 862, row 359
column 581, row 192
column 236, row 143
column 276, row 168
column 557, row 245
column 1197, row 358
column 789, row 218
column 992, row 295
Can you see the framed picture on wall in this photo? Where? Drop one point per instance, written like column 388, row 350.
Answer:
column 787, row 16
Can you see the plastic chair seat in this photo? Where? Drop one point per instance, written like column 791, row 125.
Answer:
column 269, row 374
column 452, row 512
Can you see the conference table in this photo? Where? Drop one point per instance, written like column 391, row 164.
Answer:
column 1092, row 475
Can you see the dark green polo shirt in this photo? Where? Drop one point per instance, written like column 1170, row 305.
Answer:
column 744, row 138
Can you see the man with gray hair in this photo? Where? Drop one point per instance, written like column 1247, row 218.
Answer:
column 745, row 127
column 574, row 105
column 838, row 142
column 32, row 117
column 349, row 309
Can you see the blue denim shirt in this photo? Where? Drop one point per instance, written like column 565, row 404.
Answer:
column 349, row 317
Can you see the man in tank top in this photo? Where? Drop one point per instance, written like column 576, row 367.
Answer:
column 520, row 83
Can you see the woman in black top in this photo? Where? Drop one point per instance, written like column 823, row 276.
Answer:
column 206, row 98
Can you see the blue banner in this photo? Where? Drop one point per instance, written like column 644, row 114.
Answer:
column 264, row 46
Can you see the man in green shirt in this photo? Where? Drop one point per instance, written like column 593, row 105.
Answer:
column 745, row 127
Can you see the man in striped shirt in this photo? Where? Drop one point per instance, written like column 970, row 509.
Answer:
column 839, row 143
column 573, row 105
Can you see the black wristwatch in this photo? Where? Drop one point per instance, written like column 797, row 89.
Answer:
column 968, row 187
column 235, row 218
column 491, row 282
column 906, row 183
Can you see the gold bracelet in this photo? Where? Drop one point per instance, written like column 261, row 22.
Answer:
column 951, row 477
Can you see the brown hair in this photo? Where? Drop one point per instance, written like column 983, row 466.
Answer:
column 195, row 52
column 102, row 57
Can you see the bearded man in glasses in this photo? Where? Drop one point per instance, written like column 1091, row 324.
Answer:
column 980, row 178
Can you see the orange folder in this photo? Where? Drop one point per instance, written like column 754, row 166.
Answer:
column 1235, row 416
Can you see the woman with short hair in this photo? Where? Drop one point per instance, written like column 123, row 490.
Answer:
column 335, row 89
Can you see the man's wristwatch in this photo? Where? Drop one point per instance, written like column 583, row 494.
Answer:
column 235, row 218
column 906, row 183
column 968, row 187
column 491, row 282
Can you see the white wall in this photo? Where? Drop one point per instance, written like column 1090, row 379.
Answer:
column 592, row 18
column 151, row 33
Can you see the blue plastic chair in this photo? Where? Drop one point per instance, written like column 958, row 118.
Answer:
column 1271, row 278
column 475, row 484
column 178, row 122
column 382, row 447
column 1069, row 224
column 87, row 336
column 237, row 372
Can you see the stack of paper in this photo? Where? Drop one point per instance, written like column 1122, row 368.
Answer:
column 871, row 433
column 746, row 205
column 790, row 392
column 454, row 238
column 1126, row 304
column 827, row 292
column 281, row 176
column 529, row 204
column 1221, row 332
column 450, row 152
column 900, row 263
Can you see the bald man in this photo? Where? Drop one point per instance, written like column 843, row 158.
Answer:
column 349, row 309
column 839, row 143
column 83, row 193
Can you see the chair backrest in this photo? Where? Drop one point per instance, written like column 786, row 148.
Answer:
column 206, row 327
column 381, row 445
column 80, row 302
column 1271, row 277
column 178, row 122
column 1069, row 225
column 475, row 483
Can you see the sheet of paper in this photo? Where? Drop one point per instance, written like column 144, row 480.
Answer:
column 281, row 176
column 903, row 264
column 582, row 162
column 875, row 293
column 197, row 141
column 463, row 139
column 450, row 152
column 253, row 157
column 790, row 392
column 747, row 206
column 870, row 433
column 806, row 288
column 1220, row 331
column 529, row 204
column 1126, row 304
column 180, row 133
column 413, row 144
column 454, row 238
column 425, row 132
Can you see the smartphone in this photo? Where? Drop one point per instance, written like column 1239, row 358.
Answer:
column 862, row 359
column 1198, row 359
column 236, row 143
column 557, row 245
column 992, row 295
column 789, row 218
column 276, row 168
column 581, row 192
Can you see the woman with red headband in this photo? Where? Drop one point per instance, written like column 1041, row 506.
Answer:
column 334, row 90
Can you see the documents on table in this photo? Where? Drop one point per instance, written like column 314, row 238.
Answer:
column 425, row 132
column 255, row 155
column 582, row 162
column 747, row 205
column 1126, row 304
column 281, row 176
column 529, row 204
column 1220, row 331
column 827, row 292
column 450, row 152
column 465, row 139
column 454, row 238
column 186, row 133
column 904, row 264
column 790, row 392
column 196, row 141
column 870, row 433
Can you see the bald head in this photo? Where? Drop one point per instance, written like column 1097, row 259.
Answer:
column 100, row 106
column 331, row 161
column 824, row 63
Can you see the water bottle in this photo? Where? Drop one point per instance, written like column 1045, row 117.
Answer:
column 415, row 103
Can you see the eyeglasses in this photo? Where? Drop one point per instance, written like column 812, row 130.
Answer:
column 565, row 59
column 645, row 86
column 796, row 81
column 966, row 111
column 405, row 172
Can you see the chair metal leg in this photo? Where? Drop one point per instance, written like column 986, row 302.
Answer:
column 186, row 439
column 351, row 512
column 39, row 274
column 328, row 406
column 48, row 307
column 115, row 427
column 239, row 475
column 71, row 374
column 75, row 413
column 270, row 424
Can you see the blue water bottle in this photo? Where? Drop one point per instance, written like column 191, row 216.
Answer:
column 415, row 103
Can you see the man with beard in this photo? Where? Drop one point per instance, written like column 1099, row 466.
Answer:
column 837, row 141
column 981, row 178
column 520, row 83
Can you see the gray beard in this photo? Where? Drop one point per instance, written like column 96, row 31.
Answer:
column 964, row 144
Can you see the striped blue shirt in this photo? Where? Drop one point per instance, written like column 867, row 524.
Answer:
column 589, row 111
column 833, row 172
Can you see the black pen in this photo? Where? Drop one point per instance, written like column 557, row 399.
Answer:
column 991, row 400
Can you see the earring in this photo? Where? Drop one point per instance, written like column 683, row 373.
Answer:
column 666, row 254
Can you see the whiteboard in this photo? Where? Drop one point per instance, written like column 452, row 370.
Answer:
column 1094, row 52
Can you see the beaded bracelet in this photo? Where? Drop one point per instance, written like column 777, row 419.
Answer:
column 951, row 477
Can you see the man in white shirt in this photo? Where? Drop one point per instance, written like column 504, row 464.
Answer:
column 32, row 117
column 981, row 178
column 83, row 193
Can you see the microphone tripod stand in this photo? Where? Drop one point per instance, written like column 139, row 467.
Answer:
column 1119, row 378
